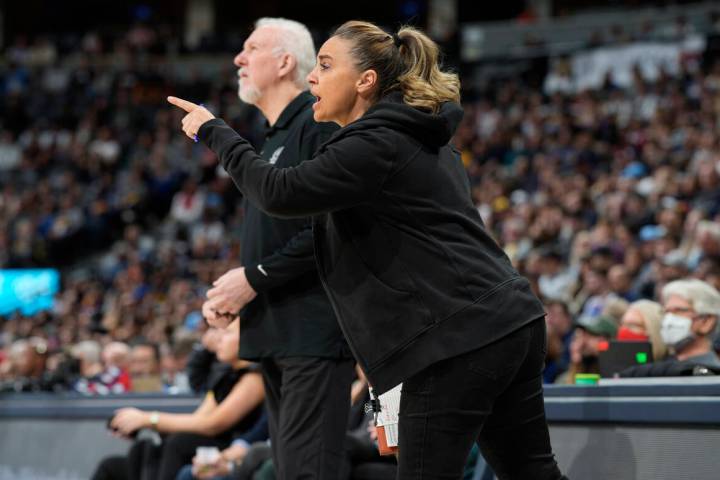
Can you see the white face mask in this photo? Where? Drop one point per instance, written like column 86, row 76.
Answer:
column 675, row 329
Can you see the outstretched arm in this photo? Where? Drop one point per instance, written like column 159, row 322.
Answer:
column 348, row 172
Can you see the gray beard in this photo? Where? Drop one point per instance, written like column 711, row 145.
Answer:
column 248, row 95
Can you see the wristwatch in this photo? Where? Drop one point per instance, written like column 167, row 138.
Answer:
column 154, row 419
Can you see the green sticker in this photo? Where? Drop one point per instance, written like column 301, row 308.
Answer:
column 641, row 357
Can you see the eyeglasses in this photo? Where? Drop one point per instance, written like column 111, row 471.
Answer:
column 679, row 310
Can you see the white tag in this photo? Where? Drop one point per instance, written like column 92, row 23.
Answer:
column 389, row 407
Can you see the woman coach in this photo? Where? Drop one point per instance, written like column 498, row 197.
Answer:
column 422, row 292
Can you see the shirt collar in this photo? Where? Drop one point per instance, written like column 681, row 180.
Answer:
column 291, row 111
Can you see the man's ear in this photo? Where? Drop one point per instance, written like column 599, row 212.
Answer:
column 706, row 324
column 367, row 83
column 287, row 64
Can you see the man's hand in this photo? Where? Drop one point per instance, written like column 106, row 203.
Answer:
column 231, row 292
column 196, row 116
column 214, row 318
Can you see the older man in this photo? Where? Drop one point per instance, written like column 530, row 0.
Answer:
column 688, row 327
column 691, row 319
column 287, row 322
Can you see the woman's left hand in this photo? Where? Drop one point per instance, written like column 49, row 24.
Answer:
column 129, row 420
column 196, row 116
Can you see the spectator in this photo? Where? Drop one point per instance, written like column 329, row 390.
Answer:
column 594, row 295
column 231, row 407
column 27, row 364
column 690, row 322
column 174, row 364
column 556, row 281
column 116, row 354
column 632, row 168
column 188, row 204
column 642, row 321
column 620, row 282
column 202, row 365
column 688, row 328
column 145, row 367
column 585, row 345
column 94, row 377
column 559, row 336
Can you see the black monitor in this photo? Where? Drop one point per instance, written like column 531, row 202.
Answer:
column 623, row 354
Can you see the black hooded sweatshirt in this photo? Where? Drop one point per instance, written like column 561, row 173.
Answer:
column 412, row 273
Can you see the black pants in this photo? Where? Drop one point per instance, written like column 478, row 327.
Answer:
column 145, row 461
column 307, row 400
column 179, row 450
column 492, row 396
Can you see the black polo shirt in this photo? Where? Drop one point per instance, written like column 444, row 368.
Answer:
column 291, row 316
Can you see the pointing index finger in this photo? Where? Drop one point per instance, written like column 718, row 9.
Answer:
column 184, row 104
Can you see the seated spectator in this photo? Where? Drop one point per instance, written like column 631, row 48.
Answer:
column 642, row 321
column 116, row 354
column 174, row 364
column 559, row 335
column 590, row 333
column 188, row 204
column 27, row 364
column 245, row 455
column 95, row 379
column 614, row 308
column 556, row 281
column 202, row 366
column 231, row 407
column 621, row 282
column 707, row 243
column 146, row 368
column 590, row 300
column 688, row 328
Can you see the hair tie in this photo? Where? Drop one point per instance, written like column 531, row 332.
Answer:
column 397, row 40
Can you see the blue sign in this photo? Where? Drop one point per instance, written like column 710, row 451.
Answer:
column 29, row 291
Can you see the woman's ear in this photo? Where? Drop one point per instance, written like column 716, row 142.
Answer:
column 287, row 64
column 367, row 82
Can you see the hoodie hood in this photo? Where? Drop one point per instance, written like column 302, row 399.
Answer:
column 431, row 129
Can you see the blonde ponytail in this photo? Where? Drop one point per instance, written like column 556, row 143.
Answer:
column 423, row 84
column 407, row 62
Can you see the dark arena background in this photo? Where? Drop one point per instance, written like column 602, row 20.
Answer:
column 590, row 138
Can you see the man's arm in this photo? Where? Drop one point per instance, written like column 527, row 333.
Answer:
column 240, row 286
column 295, row 258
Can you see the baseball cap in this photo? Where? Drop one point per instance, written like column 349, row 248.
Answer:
column 603, row 325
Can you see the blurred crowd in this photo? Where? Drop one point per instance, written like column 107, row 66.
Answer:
column 601, row 198
column 95, row 179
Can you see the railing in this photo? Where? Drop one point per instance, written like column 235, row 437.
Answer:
column 557, row 36
column 635, row 429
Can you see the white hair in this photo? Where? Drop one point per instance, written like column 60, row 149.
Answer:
column 703, row 297
column 296, row 40
column 88, row 350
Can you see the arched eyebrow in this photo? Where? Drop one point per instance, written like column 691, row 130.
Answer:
column 324, row 57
